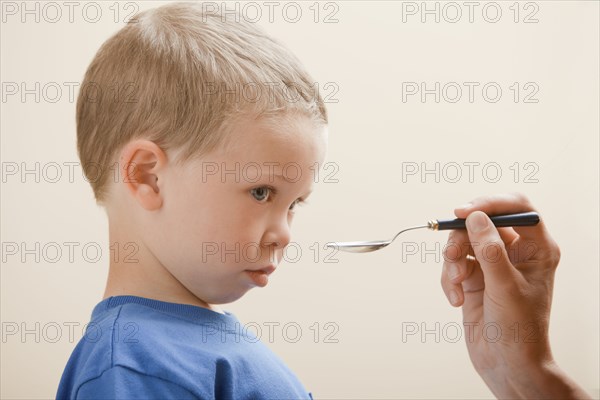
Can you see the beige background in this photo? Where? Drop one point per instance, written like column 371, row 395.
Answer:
column 369, row 298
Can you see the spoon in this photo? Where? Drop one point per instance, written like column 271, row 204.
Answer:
column 521, row 219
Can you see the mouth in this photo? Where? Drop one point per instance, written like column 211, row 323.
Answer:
column 260, row 277
column 266, row 270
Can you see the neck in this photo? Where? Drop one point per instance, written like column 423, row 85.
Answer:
column 135, row 271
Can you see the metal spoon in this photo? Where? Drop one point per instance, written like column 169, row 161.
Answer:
column 521, row 219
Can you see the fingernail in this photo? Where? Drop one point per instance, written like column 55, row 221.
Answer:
column 477, row 222
column 453, row 297
column 465, row 206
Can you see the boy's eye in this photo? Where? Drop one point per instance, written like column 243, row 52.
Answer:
column 294, row 204
column 260, row 193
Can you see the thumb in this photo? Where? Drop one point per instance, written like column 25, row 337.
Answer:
column 490, row 252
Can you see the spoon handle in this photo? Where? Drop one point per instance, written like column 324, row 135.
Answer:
column 521, row 219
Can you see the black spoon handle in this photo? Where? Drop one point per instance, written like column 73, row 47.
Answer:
column 521, row 219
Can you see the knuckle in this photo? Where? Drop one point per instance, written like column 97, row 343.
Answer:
column 515, row 290
column 493, row 242
column 549, row 253
column 451, row 251
column 521, row 198
column 443, row 280
column 492, row 250
column 479, row 200
column 513, row 285
column 555, row 254
column 451, row 240
column 452, row 236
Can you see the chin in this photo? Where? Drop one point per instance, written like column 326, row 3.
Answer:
column 225, row 298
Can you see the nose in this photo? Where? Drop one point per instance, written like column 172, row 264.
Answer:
column 277, row 234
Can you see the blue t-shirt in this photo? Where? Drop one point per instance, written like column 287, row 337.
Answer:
column 139, row 348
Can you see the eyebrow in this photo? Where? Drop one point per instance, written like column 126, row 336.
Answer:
column 280, row 176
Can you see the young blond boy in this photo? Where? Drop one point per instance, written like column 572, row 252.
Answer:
column 213, row 128
column 213, row 134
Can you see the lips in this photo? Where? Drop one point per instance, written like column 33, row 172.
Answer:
column 260, row 277
column 268, row 270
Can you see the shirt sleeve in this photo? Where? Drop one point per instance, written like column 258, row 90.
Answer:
column 124, row 383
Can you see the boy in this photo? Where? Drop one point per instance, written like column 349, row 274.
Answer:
column 212, row 129
column 212, row 132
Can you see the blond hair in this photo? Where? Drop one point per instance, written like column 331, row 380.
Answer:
column 178, row 75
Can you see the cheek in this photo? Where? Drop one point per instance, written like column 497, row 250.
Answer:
column 189, row 214
column 252, row 252
column 218, row 215
column 244, row 228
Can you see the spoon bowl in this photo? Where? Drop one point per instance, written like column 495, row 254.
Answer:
column 367, row 247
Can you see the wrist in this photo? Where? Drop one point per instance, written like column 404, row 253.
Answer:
column 542, row 381
column 551, row 382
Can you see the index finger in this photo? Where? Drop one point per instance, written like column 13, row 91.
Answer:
column 507, row 203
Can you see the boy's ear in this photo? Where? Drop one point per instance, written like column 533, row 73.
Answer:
column 141, row 166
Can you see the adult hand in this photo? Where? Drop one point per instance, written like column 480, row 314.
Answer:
column 503, row 279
